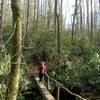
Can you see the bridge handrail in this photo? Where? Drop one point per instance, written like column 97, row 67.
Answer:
column 62, row 86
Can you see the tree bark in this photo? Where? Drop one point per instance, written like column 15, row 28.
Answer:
column 73, row 24
column 58, row 35
column 55, row 16
column 1, row 19
column 91, row 22
column 26, row 41
column 49, row 14
column 37, row 17
column 12, row 89
column 87, row 5
column 61, row 15
column 41, row 14
column 95, row 21
column 81, row 24
column 34, row 20
column 27, row 19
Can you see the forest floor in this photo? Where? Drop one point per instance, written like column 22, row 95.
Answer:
column 91, row 96
column 34, row 94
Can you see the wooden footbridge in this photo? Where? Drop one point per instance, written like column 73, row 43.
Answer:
column 43, row 88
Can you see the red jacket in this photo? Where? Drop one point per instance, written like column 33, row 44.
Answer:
column 42, row 68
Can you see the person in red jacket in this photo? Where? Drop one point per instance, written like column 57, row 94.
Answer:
column 42, row 71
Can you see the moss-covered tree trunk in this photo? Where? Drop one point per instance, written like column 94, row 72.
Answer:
column 16, row 52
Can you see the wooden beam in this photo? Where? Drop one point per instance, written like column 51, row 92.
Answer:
column 43, row 90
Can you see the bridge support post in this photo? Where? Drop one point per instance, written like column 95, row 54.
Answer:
column 58, row 91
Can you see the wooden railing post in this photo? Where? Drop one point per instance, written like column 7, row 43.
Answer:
column 59, row 85
column 58, row 91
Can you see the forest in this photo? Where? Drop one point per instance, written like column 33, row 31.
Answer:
column 65, row 34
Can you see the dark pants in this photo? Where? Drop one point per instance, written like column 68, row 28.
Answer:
column 41, row 77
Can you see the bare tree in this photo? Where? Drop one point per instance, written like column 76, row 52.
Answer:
column 34, row 20
column 61, row 15
column 91, row 34
column 58, row 35
column 27, row 18
column 87, row 5
column 95, row 20
column 1, row 19
column 26, row 42
column 41, row 13
column 55, row 15
column 37, row 17
column 49, row 13
column 81, row 22
column 74, row 17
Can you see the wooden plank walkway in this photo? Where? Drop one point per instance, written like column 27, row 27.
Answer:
column 43, row 90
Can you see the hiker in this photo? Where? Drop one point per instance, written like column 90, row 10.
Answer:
column 42, row 71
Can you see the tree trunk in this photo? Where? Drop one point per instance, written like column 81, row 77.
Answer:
column 34, row 20
column 73, row 24
column 87, row 4
column 27, row 18
column 58, row 41
column 49, row 14
column 77, row 36
column 16, row 52
column 61, row 15
column 95, row 21
column 55, row 15
column 26, row 41
column 81, row 24
column 1, row 19
column 37, row 17
column 41, row 14
column 91, row 35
